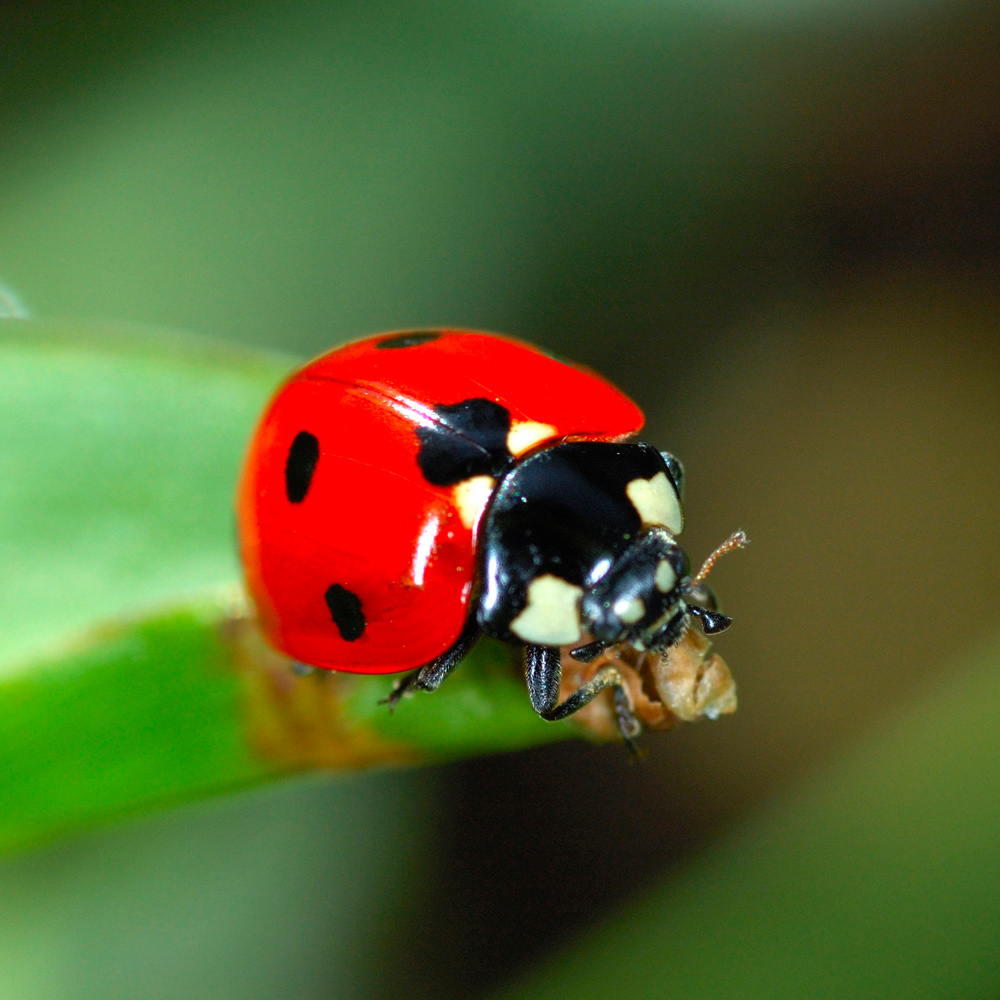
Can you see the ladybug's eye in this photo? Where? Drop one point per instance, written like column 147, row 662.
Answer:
column 676, row 470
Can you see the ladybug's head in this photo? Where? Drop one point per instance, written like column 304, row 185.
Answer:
column 646, row 597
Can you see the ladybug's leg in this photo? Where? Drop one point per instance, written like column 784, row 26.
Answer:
column 430, row 675
column 399, row 689
column 543, row 672
column 590, row 652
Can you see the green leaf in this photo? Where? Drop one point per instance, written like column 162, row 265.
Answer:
column 138, row 716
column 118, row 456
column 118, row 453
column 189, row 703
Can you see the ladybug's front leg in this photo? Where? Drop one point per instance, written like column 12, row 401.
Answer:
column 543, row 673
column 430, row 676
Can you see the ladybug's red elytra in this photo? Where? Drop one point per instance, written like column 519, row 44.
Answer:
column 407, row 493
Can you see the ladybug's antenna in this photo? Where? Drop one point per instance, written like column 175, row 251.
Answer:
column 737, row 540
column 712, row 621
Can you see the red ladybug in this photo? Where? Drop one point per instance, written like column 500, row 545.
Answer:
column 407, row 493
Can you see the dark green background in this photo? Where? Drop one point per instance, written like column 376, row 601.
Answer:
column 775, row 224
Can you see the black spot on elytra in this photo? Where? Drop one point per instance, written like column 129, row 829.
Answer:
column 468, row 439
column 345, row 610
column 300, row 466
column 414, row 339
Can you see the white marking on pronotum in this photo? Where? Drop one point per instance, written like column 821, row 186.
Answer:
column 424, row 548
column 656, row 502
column 665, row 577
column 552, row 614
column 630, row 610
column 525, row 434
column 471, row 497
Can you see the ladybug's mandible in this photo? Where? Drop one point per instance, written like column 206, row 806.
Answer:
column 407, row 493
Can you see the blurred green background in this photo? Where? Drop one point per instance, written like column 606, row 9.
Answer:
column 775, row 224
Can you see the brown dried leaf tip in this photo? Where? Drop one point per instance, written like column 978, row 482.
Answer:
column 687, row 682
column 298, row 721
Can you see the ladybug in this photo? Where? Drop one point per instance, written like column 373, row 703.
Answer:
column 407, row 493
